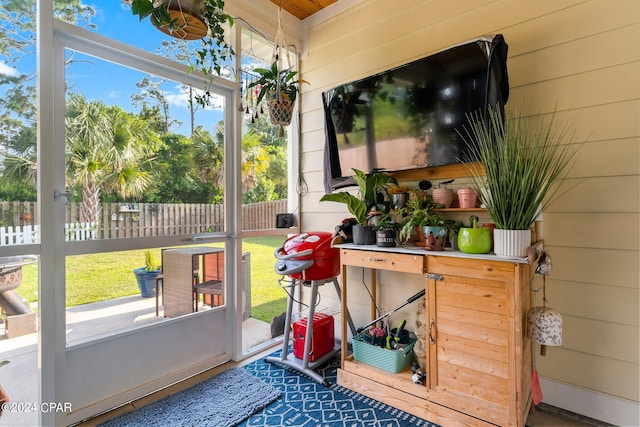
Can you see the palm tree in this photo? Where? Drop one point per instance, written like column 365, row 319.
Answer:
column 255, row 159
column 107, row 150
column 208, row 154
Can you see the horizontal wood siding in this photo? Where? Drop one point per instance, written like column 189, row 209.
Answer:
column 580, row 58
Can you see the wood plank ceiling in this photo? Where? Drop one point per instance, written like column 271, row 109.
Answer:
column 302, row 9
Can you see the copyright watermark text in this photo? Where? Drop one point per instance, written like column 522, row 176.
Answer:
column 45, row 407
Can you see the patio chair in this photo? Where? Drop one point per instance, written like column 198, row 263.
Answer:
column 211, row 286
column 160, row 277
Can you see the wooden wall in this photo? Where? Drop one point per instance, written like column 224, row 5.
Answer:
column 579, row 57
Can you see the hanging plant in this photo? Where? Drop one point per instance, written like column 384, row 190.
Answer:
column 279, row 88
column 278, row 84
column 192, row 20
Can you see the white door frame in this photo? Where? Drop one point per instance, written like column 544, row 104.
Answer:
column 104, row 373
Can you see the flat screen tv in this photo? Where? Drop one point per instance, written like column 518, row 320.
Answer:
column 409, row 117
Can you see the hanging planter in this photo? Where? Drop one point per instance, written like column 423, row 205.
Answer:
column 280, row 111
column 187, row 17
column 278, row 83
column 191, row 20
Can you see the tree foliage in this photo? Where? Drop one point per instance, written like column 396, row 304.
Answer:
column 119, row 156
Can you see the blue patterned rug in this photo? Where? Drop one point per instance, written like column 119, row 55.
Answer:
column 221, row 401
column 305, row 403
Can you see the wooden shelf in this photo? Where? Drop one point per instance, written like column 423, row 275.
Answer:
column 461, row 210
column 434, row 172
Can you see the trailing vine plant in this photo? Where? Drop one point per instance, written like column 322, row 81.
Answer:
column 213, row 51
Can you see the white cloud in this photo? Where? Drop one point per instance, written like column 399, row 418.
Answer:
column 180, row 99
column 8, row 71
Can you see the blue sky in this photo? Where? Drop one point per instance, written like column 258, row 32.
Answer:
column 114, row 84
column 101, row 80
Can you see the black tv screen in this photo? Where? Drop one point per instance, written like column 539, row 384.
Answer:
column 409, row 117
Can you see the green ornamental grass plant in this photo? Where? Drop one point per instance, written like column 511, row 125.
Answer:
column 517, row 165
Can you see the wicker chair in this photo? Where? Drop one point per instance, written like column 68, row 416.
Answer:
column 212, row 285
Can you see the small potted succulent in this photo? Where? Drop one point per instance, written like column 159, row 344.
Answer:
column 386, row 231
column 364, row 203
column 146, row 276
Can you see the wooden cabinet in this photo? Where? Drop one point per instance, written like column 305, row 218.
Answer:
column 478, row 361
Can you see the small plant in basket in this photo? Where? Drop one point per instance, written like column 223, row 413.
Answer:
column 279, row 87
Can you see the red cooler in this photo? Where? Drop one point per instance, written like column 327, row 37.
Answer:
column 322, row 338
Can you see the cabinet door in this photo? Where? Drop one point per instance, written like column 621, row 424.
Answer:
column 469, row 330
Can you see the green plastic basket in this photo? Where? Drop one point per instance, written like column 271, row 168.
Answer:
column 389, row 360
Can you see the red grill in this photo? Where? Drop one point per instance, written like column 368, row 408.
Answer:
column 308, row 256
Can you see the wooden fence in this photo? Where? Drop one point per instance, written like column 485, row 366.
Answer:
column 119, row 220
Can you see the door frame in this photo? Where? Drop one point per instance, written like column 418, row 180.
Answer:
column 101, row 374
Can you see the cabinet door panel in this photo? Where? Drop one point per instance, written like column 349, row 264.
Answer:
column 471, row 339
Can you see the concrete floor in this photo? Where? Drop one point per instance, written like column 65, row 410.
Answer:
column 19, row 378
column 549, row 416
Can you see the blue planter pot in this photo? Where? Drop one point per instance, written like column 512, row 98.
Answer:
column 146, row 281
column 434, row 237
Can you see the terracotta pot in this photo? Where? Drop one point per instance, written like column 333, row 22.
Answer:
column 467, row 198
column 434, row 237
column 188, row 16
column 491, row 226
column 444, row 196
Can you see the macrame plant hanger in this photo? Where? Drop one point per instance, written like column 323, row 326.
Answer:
column 280, row 108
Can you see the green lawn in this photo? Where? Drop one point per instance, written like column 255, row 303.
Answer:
column 98, row 277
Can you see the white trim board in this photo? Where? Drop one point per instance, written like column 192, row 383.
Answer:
column 599, row 406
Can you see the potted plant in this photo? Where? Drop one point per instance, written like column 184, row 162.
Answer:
column 191, row 20
column 146, row 276
column 442, row 194
column 399, row 195
column 361, row 205
column 280, row 87
column 474, row 239
column 515, row 166
column 431, row 226
column 453, row 228
column 386, row 231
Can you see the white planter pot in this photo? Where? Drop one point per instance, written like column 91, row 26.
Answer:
column 511, row 243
